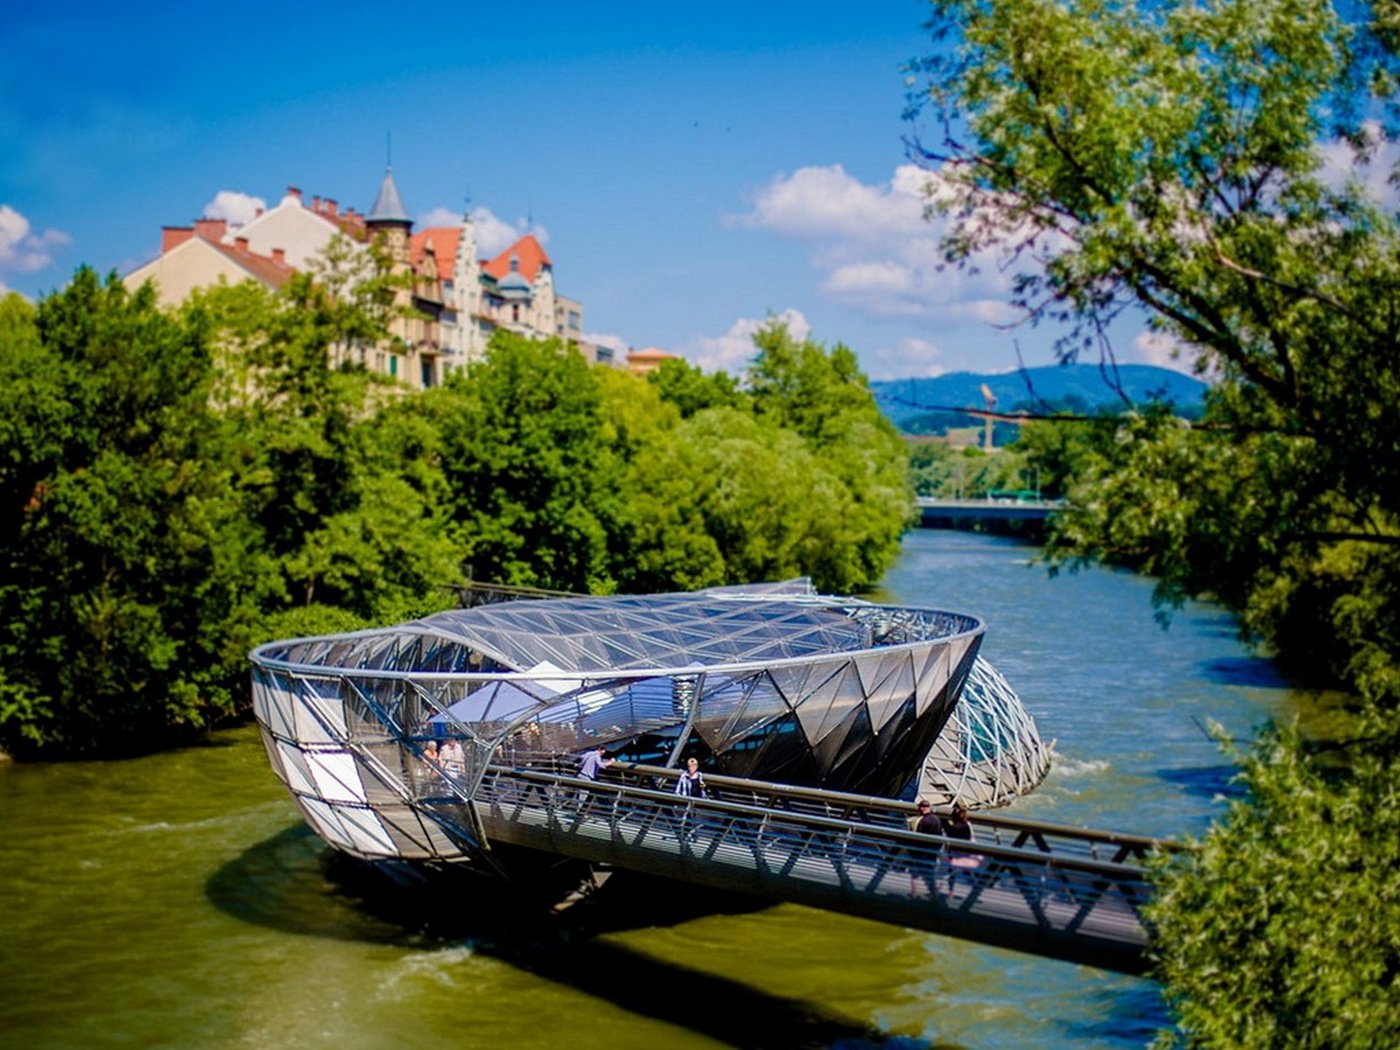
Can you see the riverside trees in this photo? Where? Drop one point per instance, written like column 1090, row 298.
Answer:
column 1169, row 156
column 176, row 487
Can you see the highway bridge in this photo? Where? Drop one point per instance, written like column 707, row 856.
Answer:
column 933, row 512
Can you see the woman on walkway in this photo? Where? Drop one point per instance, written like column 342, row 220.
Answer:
column 691, row 784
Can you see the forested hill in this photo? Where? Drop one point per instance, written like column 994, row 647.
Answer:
column 1080, row 386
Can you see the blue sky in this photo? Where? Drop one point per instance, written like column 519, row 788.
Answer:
column 692, row 169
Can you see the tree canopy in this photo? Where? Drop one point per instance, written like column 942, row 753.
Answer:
column 177, row 486
column 1172, row 157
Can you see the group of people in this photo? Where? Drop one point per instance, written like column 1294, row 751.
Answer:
column 447, row 758
column 690, row 784
column 954, row 825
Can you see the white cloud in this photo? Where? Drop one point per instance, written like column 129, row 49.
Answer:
column 237, row 208
column 733, row 351
column 879, row 251
column 1340, row 162
column 494, row 235
column 439, row 216
column 1162, row 349
column 822, row 203
column 22, row 251
column 911, row 357
column 881, row 276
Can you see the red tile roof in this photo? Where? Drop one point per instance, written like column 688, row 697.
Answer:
column 444, row 241
column 530, row 255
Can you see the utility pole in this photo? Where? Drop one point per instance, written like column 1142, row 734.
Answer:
column 991, row 401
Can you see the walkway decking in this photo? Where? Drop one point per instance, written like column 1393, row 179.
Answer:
column 1067, row 893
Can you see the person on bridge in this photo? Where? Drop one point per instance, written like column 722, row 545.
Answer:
column 957, row 826
column 927, row 821
column 453, row 757
column 925, row 864
column 691, row 784
column 594, row 762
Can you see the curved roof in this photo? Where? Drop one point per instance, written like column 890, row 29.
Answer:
column 593, row 635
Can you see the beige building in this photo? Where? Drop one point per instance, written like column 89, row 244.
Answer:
column 457, row 300
column 203, row 254
column 649, row 360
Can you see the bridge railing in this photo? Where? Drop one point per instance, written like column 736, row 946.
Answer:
column 1043, row 890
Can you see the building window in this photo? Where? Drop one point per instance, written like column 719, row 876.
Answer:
column 393, row 364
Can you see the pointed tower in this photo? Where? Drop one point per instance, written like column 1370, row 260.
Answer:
column 389, row 220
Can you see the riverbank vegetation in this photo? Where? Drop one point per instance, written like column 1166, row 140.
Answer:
column 1205, row 163
column 179, row 486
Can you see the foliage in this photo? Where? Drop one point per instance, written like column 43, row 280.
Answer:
column 523, row 459
column 691, row 389
column 1169, row 156
column 821, row 395
column 179, row 486
column 116, row 568
column 1283, row 927
column 938, row 469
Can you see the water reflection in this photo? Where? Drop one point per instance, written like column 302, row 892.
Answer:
column 292, row 883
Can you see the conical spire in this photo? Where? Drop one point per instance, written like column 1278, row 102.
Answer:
column 387, row 206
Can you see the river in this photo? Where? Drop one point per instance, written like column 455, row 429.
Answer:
column 178, row 901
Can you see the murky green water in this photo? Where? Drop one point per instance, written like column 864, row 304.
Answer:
column 178, row 901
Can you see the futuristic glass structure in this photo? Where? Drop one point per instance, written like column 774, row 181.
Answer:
column 772, row 682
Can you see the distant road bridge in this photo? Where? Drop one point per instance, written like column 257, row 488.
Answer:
column 965, row 511
column 1067, row 893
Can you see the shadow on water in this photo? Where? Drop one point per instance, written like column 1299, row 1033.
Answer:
column 1206, row 781
column 1253, row 672
column 1137, row 1015
column 293, row 883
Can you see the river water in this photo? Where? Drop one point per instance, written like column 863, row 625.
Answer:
column 178, row 901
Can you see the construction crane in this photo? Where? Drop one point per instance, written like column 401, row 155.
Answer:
column 991, row 402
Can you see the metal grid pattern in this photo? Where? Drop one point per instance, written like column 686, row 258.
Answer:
column 792, row 687
column 1069, row 893
column 990, row 752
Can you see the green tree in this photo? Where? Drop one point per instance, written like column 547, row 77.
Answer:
column 341, row 484
column 821, row 395
column 118, row 568
column 690, row 388
column 527, row 465
column 1167, row 156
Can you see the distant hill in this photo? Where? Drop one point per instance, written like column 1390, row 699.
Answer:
column 1080, row 388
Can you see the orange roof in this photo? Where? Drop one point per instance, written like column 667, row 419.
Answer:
column 530, row 257
column 444, row 241
column 651, row 353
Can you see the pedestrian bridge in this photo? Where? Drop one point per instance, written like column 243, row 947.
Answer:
column 1067, row 893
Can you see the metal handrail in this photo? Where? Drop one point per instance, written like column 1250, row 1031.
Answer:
column 1070, row 907
column 917, row 842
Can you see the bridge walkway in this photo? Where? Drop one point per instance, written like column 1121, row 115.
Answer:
column 1068, row 893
